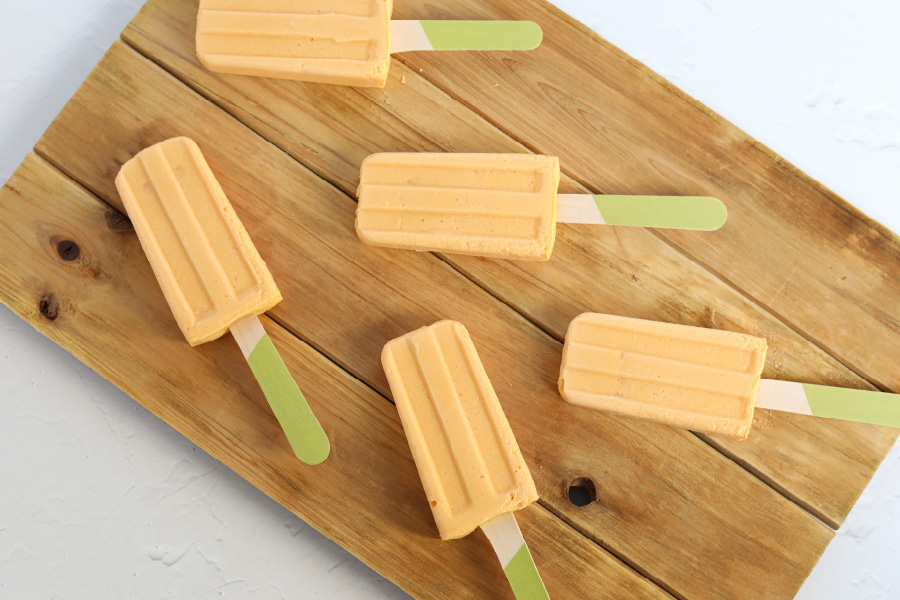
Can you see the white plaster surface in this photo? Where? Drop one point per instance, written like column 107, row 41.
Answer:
column 99, row 499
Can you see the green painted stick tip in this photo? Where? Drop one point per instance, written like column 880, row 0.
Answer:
column 864, row 406
column 483, row 35
column 303, row 431
column 524, row 578
column 675, row 212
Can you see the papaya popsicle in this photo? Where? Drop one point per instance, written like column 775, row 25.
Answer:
column 211, row 273
column 343, row 42
column 701, row 379
column 689, row 377
column 497, row 205
column 467, row 456
column 470, row 464
column 494, row 205
column 340, row 42
column 209, row 270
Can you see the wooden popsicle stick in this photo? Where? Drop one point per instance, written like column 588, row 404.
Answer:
column 670, row 212
column 414, row 36
column 864, row 406
column 515, row 558
column 303, row 431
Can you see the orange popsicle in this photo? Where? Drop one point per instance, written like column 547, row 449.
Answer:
column 466, row 454
column 343, row 42
column 689, row 377
column 494, row 205
column 211, row 274
column 208, row 268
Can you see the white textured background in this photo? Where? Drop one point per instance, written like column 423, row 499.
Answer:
column 99, row 499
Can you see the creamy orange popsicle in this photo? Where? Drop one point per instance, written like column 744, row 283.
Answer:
column 689, row 377
column 466, row 454
column 494, row 205
column 206, row 264
column 343, row 42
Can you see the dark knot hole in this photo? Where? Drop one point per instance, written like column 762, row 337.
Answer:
column 582, row 492
column 49, row 306
column 68, row 250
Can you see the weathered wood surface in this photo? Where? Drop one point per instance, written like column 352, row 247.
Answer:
column 668, row 499
column 823, row 466
column 107, row 309
column 671, row 506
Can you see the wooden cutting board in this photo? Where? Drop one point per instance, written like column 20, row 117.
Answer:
column 677, row 514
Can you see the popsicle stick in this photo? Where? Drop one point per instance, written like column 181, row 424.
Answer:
column 413, row 36
column 509, row 545
column 864, row 406
column 303, row 431
column 668, row 212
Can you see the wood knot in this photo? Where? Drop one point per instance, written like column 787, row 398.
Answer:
column 117, row 221
column 49, row 306
column 68, row 250
column 582, row 491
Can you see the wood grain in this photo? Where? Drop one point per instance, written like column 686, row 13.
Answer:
column 823, row 466
column 670, row 505
column 111, row 314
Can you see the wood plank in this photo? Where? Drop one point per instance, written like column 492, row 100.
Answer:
column 668, row 502
column 790, row 244
column 821, row 465
column 110, row 313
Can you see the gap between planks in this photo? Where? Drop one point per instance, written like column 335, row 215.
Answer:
column 211, row 98
column 787, row 322
column 638, row 571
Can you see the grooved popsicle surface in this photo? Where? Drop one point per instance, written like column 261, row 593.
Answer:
column 209, row 270
column 698, row 379
column 496, row 205
column 343, row 42
column 466, row 453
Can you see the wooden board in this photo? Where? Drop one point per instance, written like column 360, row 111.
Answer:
column 677, row 514
column 622, row 271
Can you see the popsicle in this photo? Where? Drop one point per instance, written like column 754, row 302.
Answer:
column 497, row 205
column 471, row 467
column 342, row 42
column 211, row 273
column 701, row 379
